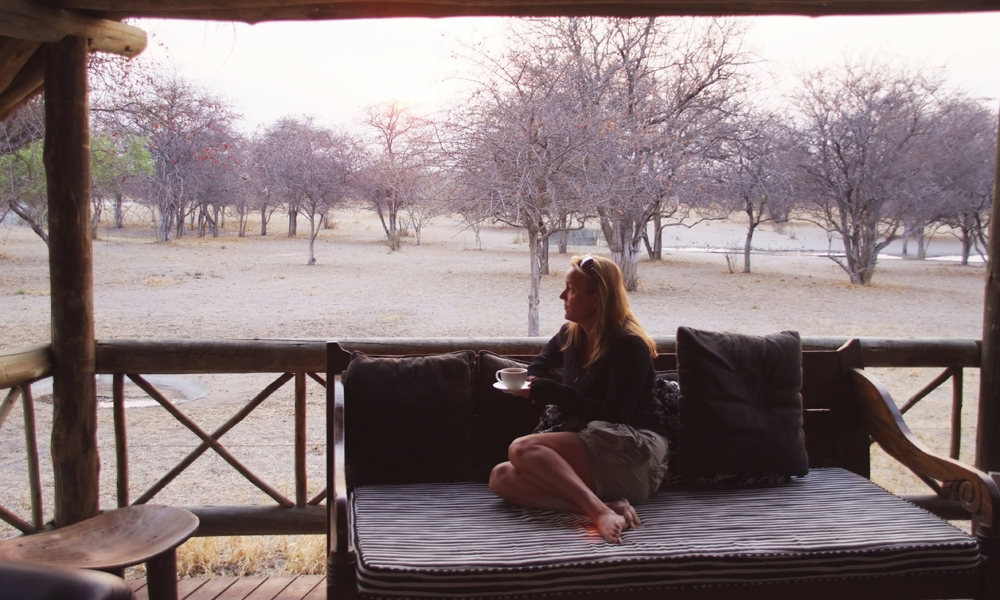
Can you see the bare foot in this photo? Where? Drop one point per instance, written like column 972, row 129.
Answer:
column 625, row 509
column 610, row 524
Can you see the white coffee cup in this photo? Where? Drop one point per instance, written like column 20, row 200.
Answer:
column 513, row 378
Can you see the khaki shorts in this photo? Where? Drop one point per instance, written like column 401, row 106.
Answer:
column 624, row 462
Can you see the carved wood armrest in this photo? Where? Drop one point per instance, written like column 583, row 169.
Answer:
column 973, row 489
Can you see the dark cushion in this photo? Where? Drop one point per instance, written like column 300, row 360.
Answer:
column 459, row 540
column 502, row 417
column 408, row 419
column 740, row 406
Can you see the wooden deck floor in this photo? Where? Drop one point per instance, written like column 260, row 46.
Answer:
column 303, row 587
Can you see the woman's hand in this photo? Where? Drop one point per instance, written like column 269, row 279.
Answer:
column 524, row 392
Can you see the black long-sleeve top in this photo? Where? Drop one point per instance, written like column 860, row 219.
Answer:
column 618, row 388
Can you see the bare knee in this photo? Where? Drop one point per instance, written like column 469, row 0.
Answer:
column 521, row 447
column 500, row 478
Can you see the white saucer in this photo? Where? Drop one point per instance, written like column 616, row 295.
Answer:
column 500, row 386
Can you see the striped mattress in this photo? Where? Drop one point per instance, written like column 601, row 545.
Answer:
column 459, row 540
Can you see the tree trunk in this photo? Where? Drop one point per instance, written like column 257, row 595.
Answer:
column 657, row 251
column 293, row 225
column 967, row 241
column 180, row 222
column 394, row 238
column 119, row 210
column 312, row 239
column 202, row 221
column 543, row 256
column 164, row 226
column 263, row 221
column 95, row 217
column 746, row 248
column 562, row 240
column 75, row 461
column 534, row 249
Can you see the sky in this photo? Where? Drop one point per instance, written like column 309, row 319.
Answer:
column 331, row 70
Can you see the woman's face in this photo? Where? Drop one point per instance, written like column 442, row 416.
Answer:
column 579, row 304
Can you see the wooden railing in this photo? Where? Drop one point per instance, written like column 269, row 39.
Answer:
column 297, row 361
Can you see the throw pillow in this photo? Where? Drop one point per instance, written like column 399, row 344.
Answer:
column 740, row 407
column 408, row 419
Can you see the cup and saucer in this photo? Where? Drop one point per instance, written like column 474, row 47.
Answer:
column 512, row 379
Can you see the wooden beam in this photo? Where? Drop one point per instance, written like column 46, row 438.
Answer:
column 26, row 20
column 24, row 365
column 988, row 427
column 254, row 11
column 14, row 54
column 26, row 83
column 75, row 460
column 249, row 519
column 281, row 356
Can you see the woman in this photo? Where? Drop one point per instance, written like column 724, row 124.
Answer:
column 613, row 452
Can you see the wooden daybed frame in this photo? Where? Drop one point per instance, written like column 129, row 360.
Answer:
column 845, row 409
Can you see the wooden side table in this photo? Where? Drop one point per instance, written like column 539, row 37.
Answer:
column 112, row 541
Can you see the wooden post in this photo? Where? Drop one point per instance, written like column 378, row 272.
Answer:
column 301, row 474
column 121, row 437
column 988, row 426
column 31, row 445
column 67, row 166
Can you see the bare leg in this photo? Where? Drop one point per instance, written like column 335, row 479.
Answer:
column 550, row 471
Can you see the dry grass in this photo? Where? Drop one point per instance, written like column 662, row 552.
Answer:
column 241, row 556
column 247, row 556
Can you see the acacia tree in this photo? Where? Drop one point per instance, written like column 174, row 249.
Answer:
column 754, row 173
column 515, row 147
column 959, row 171
column 189, row 133
column 652, row 95
column 398, row 164
column 115, row 160
column 859, row 129
column 310, row 168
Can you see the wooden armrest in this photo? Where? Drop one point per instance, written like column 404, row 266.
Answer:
column 973, row 489
column 337, row 543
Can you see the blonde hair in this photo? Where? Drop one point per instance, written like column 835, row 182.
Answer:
column 614, row 316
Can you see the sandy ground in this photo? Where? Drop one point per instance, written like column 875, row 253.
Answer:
column 256, row 287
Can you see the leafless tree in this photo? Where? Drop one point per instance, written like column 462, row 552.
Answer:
column 859, row 128
column 753, row 173
column 430, row 200
column 959, row 170
column 653, row 95
column 310, row 167
column 189, row 132
column 398, row 165
column 515, row 147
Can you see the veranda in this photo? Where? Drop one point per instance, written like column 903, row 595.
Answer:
column 47, row 45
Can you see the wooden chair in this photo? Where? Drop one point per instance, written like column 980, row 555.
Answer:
column 112, row 541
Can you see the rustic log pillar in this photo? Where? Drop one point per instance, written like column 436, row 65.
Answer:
column 988, row 426
column 67, row 166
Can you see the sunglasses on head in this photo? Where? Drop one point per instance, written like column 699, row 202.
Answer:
column 587, row 264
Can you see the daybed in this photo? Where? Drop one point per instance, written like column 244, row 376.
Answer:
column 412, row 441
